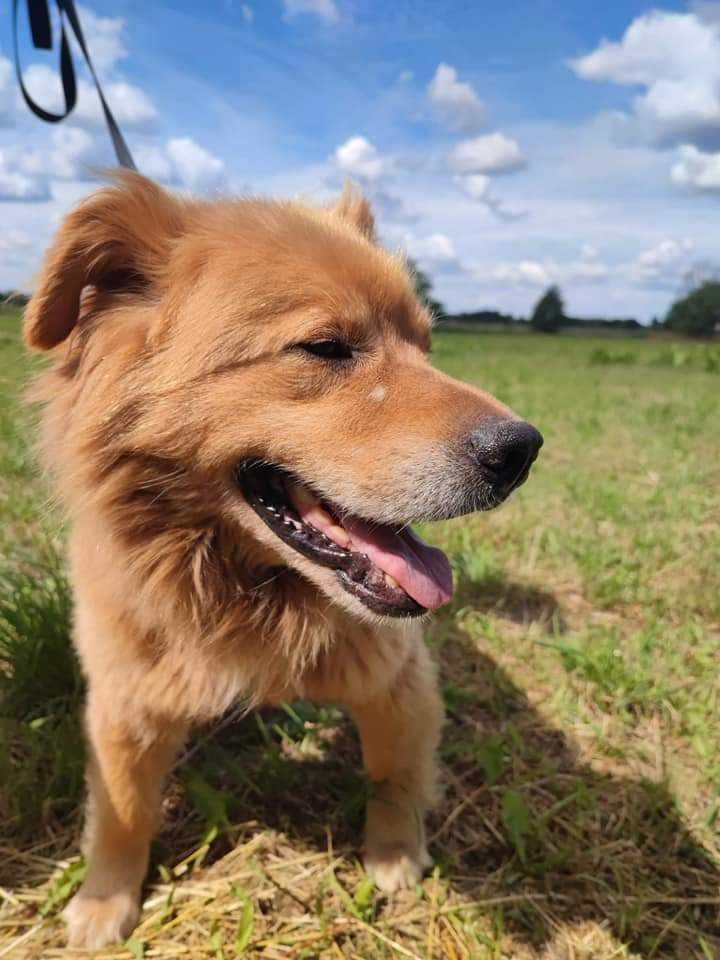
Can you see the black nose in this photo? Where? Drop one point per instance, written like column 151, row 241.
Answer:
column 505, row 451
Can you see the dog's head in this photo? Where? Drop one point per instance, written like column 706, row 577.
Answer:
column 263, row 365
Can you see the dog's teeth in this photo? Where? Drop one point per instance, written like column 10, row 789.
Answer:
column 310, row 509
column 339, row 535
column 320, row 525
column 391, row 582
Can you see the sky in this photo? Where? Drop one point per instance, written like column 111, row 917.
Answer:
column 505, row 147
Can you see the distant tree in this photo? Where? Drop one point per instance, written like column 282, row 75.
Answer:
column 424, row 286
column 12, row 298
column 697, row 313
column 549, row 313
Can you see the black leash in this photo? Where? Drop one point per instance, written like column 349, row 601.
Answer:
column 41, row 32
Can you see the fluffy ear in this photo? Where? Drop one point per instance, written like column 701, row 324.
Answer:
column 119, row 238
column 353, row 207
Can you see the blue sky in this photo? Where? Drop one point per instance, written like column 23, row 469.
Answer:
column 505, row 146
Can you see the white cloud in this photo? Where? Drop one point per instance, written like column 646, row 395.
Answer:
column 182, row 161
column 664, row 254
column 696, row 169
column 359, row 158
column 663, row 264
column 43, row 85
column 676, row 57
column 477, row 187
column 195, row 167
column 325, row 9
column 129, row 104
column 530, row 273
column 153, row 161
column 456, row 103
column 73, row 150
column 493, row 153
column 436, row 251
column 103, row 36
column 406, row 76
column 25, row 174
column 7, row 91
column 17, row 182
column 434, row 247
column 587, row 269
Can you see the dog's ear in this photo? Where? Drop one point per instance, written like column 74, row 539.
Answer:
column 354, row 208
column 119, row 238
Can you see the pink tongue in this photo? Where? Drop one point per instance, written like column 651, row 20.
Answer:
column 422, row 571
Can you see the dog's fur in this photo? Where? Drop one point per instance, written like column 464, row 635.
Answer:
column 171, row 322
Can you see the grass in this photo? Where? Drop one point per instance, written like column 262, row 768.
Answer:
column 580, row 670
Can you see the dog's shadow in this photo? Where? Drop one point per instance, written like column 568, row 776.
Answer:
column 520, row 603
column 546, row 840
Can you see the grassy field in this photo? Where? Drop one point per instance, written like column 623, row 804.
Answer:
column 579, row 664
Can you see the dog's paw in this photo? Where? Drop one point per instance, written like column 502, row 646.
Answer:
column 94, row 922
column 395, row 852
column 394, row 867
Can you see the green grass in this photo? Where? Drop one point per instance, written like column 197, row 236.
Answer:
column 580, row 673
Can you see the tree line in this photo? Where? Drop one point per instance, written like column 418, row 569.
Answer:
column 11, row 298
column 695, row 313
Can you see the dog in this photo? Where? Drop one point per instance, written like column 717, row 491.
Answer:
column 242, row 422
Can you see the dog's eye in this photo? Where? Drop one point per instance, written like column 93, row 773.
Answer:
column 328, row 349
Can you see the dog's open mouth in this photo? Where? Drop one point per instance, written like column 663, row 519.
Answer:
column 390, row 569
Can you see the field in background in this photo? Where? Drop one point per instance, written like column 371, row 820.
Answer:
column 580, row 672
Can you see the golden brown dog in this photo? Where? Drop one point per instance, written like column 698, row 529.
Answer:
column 242, row 422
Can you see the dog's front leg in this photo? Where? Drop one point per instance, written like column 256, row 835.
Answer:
column 125, row 777
column 400, row 732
